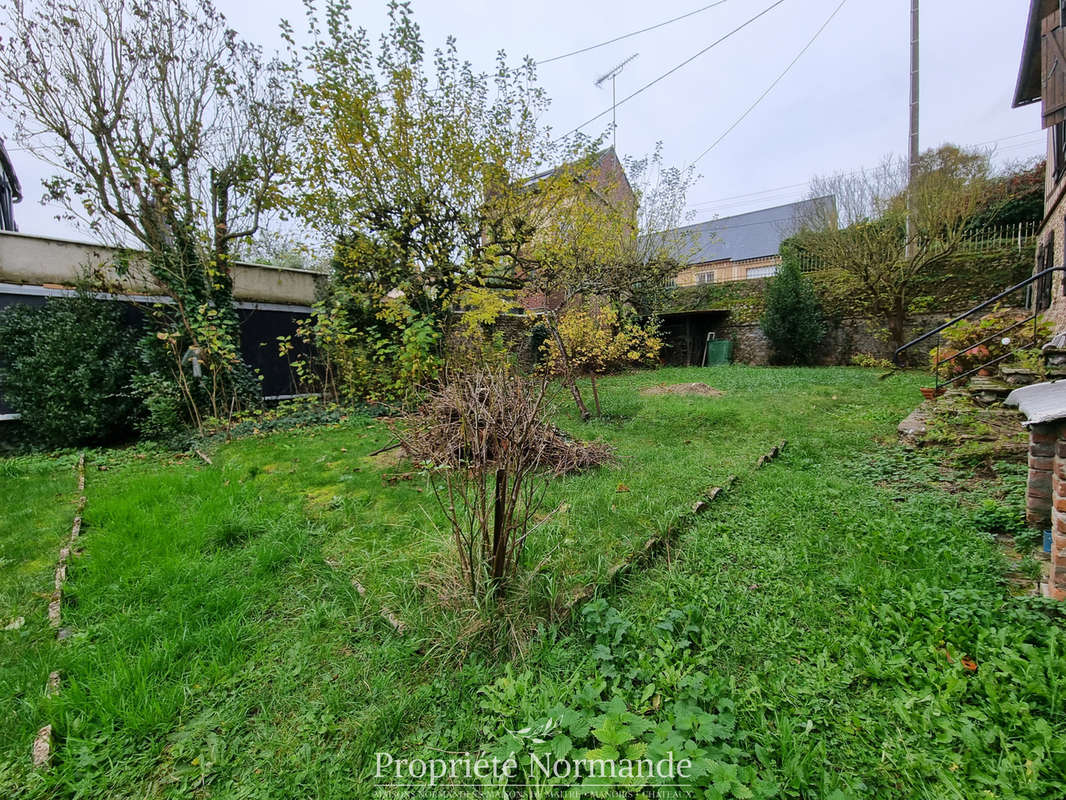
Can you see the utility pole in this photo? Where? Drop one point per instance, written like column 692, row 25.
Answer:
column 610, row 75
column 913, row 151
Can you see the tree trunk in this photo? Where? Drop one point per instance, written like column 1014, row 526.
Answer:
column 575, row 390
column 897, row 324
column 499, row 533
column 568, row 374
column 595, row 394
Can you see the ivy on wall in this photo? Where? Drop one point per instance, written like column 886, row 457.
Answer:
column 745, row 300
column 967, row 279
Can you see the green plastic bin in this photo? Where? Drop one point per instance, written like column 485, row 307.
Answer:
column 719, row 352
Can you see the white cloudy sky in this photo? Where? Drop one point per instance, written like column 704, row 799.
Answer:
column 843, row 106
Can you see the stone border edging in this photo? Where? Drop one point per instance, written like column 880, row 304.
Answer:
column 773, row 453
column 385, row 612
column 42, row 742
column 659, row 541
column 55, row 606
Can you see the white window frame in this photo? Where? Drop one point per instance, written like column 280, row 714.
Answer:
column 761, row 272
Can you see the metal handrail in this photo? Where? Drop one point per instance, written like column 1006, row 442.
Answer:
column 980, row 307
column 938, row 362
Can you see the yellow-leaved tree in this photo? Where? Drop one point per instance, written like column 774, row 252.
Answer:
column 594, row 340
column 607, row 236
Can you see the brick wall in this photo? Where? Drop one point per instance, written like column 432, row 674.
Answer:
column 1045, row 501
column 610, row 179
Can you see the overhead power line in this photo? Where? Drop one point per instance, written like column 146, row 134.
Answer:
column 634, row 33
column 788, row 69
column 754, row 197
column 1022, row 145
column 667, row 74
column 771, row 87
column 1008, row 138
column 741, row 207
column 773, row 190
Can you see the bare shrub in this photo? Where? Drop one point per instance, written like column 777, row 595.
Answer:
column 484, row 437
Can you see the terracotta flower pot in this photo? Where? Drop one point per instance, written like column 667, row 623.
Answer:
column 929, row 392
column 985, row 373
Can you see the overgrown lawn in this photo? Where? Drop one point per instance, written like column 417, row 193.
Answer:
column 812, row 634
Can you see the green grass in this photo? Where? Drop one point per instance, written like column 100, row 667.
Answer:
column 805, row 637
column 38, row 500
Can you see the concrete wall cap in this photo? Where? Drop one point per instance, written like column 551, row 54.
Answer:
column 1041, row 402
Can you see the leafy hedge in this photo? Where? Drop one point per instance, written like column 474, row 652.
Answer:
column 67, row 368
column 745, row 300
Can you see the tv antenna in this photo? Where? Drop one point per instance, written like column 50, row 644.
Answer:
column 610, row 75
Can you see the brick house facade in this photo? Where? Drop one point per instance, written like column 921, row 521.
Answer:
column 728, row 270
column 603, row 181
column 1045, row 500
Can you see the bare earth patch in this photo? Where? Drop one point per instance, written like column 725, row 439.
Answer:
column 385, row 458
column 700, row 389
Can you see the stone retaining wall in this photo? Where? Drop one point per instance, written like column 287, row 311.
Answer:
column 843, row 340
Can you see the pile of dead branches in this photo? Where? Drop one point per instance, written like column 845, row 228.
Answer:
column 489, row 451
column 484, row 420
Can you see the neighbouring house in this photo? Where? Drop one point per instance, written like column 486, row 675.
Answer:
column 10, row 191
column 1042, row 79
column 745, row 246
column 599, row 180
column 602, row 175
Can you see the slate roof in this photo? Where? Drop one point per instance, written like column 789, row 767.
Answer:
column 756, row 234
